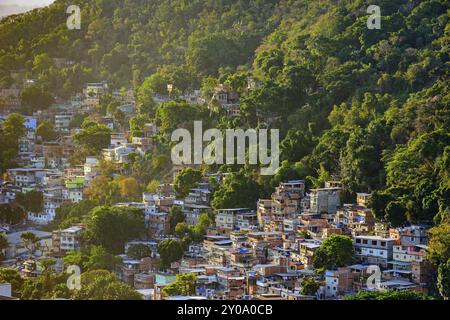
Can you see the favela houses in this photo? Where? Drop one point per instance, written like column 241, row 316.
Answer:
column 262, row 152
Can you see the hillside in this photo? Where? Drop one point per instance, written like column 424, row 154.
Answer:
column 369, row 107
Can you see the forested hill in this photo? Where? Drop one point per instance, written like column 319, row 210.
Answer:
column 370, row 107
column 126, row 40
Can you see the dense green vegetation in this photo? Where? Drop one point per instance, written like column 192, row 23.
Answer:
column 388, row 295
column 368, row 106
column 335, row 251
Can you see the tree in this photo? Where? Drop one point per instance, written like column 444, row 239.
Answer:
column 310, row 286
column 146, row 104
column 42, row 62
column 439, row 244
column 129, row 189
column 176, row 216
column 70, row 213
column 100, row 259
column 35, row 97
column 388, row 295
column 183, row 285
column 182, row 229
column 32, row 201
column 185, row 180
column 14, row 127
column 11, row 130
column 177, row 114
column 76, row 258
column 111, row 227
column 40, row 287
column 170, row 250
column 238, row 190
column 12, row 276
column 103, row 190
column 443, row 280
column 152, row 186
column 11, row 213
column 106, row 287
column 139, row 251
column 335, row 251
column 30, row 241
column 3, row 245
column 47, row 264
column 137, row 124
column 93, row 137
column 46, row 131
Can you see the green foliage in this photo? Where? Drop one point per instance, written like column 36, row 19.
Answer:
column 152, row 186
column 139, row 251
column 185, row 180
column 76, row 258
column 30, row 240
column 93, row 137
column 103, row 191
column 32, row 201
column 439, row 244
column 145, row 93
column 46, row 286
column 170, row 250
column 11, row 213
column 443, row 280
column 184, row 285
column 100, row 259
column 137, row 124
column 69, row 213
column 46, row 131
column 176, row 216
column 417, row 181
column 111, row 227
column 310, row 286
column 388, row 295
column 35, row 97
column 177, row 114
column 105, row 286
column 3, row 245
column 238, row 190
column 335, row 251
column 12, row 276
column 11, row 130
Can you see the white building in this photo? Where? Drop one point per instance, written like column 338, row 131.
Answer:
column 236, row 218
column 119, row 154
column 118, row 139
column 62, row 122
column 374, row 249
column 90, row 169
column 70, row 238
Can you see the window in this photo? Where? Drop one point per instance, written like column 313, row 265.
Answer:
column 383, row 243
column 364, row 241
